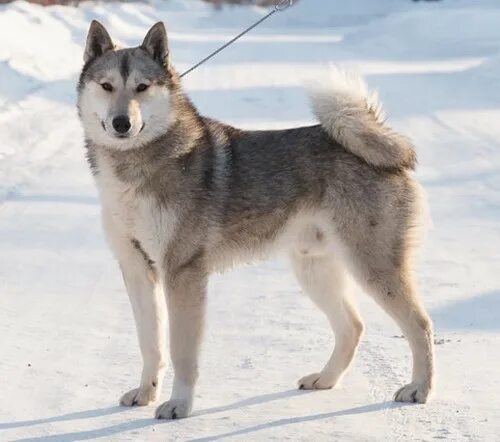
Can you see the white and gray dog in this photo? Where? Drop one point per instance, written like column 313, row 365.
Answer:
column 183, row 196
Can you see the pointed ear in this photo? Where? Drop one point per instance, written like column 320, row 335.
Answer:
column 156, row 43
column 98, row 41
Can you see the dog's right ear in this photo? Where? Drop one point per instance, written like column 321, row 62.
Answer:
column 98, row 41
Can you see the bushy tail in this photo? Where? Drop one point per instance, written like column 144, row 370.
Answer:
column 353, row 117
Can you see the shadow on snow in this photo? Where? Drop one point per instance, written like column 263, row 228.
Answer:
column 143, row 423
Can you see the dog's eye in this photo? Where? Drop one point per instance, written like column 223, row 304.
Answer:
column 142, row 87
column 107, row 87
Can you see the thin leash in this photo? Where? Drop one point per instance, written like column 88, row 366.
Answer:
column 279, row 7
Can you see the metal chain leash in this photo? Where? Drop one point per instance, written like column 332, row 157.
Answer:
column 279, row 7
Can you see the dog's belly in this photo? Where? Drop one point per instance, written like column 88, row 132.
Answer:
column 306, row 234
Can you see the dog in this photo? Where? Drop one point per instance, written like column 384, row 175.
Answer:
column 183, row 196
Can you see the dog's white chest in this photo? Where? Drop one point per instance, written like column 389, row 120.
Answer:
column 134, row 215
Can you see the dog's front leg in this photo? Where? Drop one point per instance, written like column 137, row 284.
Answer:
column 149, row 311
column 148, row 306
column 186, row 287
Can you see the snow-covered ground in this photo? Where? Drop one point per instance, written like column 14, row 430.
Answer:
column 67, row 341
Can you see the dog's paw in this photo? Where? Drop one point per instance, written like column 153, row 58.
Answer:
column 139, row 396
column 174, row 409
column 315, row 381
column 414, row 392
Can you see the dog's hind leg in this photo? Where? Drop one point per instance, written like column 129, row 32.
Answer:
column 393, row 287
column 328, row 285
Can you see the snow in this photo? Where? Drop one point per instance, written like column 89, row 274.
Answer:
column 68, row 348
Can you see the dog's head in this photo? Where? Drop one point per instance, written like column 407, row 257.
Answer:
column 124, row 95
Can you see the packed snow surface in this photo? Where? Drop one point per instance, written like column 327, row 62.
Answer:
column 67, row 340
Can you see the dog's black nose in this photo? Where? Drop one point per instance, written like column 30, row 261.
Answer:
column 121, row 124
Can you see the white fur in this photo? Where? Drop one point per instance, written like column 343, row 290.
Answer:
column 150, row 108
column 329, row 286
column 353, row 116
column 180, row 402
column 127, row 216
column 336, row 91
column 137, row 216
column 338, row 97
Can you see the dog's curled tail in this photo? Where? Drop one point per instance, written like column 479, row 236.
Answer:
column 353, row 116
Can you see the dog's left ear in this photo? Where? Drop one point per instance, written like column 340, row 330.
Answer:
column 156, row 43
